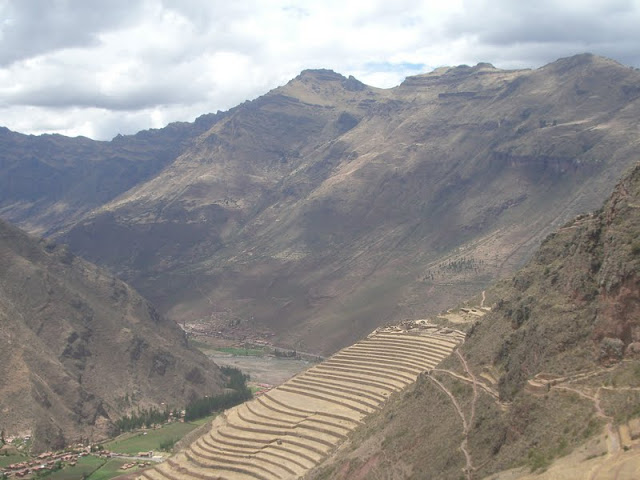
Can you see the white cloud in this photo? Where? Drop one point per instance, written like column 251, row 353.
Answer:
column 101, row 68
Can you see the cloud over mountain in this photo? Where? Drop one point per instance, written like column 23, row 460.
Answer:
column 119, row 67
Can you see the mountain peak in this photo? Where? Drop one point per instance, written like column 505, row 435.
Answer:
column 586, row 59
column 447, row 73
column 320, row 74
column 326, row 75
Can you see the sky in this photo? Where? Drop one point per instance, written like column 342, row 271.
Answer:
column 99, row 68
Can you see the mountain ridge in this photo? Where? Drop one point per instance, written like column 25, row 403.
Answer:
column 50, row 180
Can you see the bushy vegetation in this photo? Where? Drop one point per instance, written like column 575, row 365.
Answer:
column 202, row 407
column 539, row 460
column 456, row 266
column 143, row 418
column 237, row 381
column 285, row 353
column 167, row 445
column 235, row 378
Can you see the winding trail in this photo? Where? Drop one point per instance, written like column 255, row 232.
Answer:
column 465, row 427
column 480, row 384
column 613, row 443
column 469, row 468
column 466, row 424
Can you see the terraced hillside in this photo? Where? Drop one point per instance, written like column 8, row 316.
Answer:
column 291, row 429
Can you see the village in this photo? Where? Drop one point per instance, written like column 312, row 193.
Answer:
column 49, row 462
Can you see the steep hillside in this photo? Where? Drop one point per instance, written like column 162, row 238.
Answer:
column 79, row 348
column 326, row 208
column 49, row 181
column 554, row 365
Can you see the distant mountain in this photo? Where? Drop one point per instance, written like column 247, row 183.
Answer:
column 48, row 181
column 555, row 365
column 326, row 207
column 79, row 348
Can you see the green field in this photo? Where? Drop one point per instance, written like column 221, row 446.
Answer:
column 84, row 468
column 111, row 469
column 9, row 459
column 95, row 468
column 240, row 352
column 92, row 468
column 235, row 351
column 134, row 442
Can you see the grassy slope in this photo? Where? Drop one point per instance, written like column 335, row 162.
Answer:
column 9, row 459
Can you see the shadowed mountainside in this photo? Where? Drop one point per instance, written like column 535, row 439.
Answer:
column 79, row 348
column 554, row 365
column 326, row 207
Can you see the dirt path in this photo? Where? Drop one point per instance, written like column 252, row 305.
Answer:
column 469, row 468
column 466, row 424
column 475, row 388
column 480, row 384
column 613, row 443
column 465, row 427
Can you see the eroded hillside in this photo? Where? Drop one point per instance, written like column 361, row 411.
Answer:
column 79, row 348
column 552, row 367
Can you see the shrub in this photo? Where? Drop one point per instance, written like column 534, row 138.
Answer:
column 538, row 460
column 167, row 445
column 237, row 381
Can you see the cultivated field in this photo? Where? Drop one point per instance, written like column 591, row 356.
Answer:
column 289, row 430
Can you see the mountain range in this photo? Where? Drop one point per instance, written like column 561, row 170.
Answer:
column 325, row 208
column 311, row 216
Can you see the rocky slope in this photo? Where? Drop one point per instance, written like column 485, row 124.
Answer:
column 326, row 207
column 79, row 348
column 554, row 365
